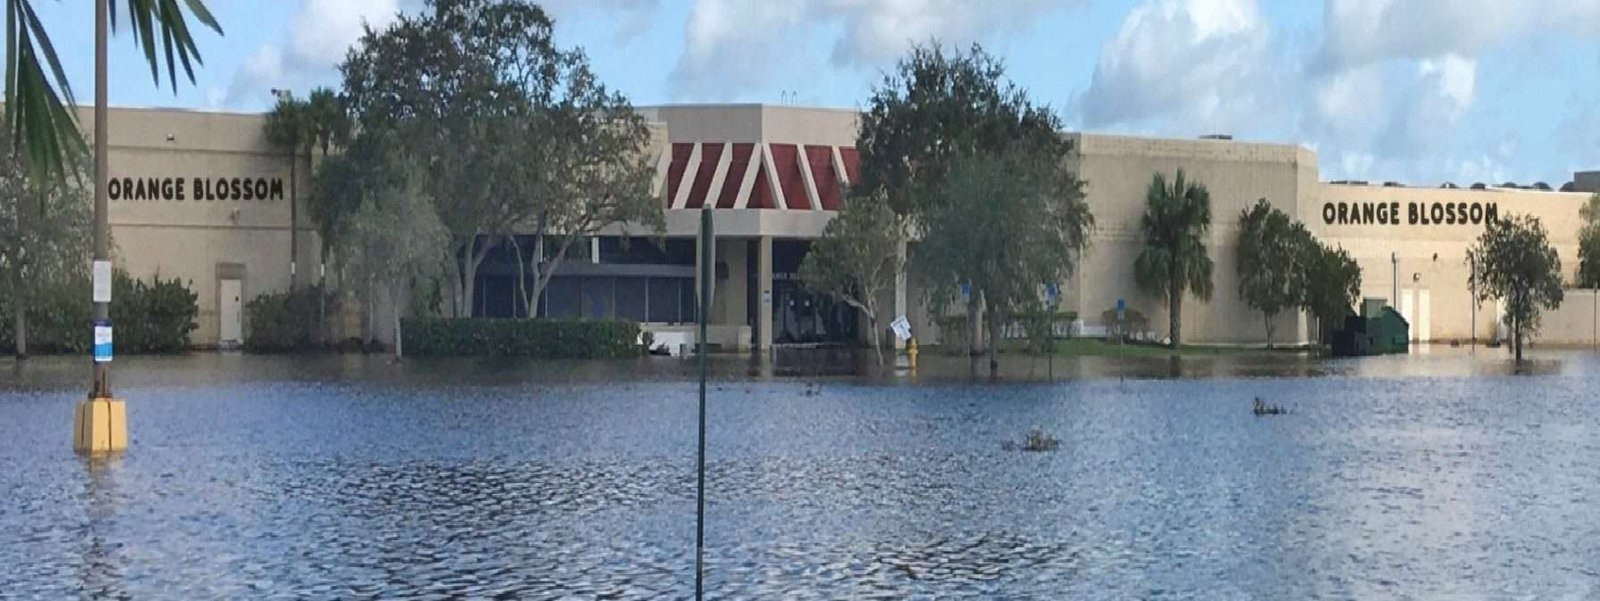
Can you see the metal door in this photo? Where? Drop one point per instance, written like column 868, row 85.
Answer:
column 231, row 311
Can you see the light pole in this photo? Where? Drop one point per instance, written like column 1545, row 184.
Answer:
column 287, row 96
column 1394, row 260
column 100, row 423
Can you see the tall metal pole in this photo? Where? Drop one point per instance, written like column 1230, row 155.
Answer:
column 100, row 387
column 707, row 256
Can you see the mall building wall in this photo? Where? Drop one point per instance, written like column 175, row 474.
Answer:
column 1434, row 290
column 186, row 228
column 1119, row 170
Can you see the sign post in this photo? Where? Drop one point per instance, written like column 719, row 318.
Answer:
column 1051, row 293
column 707, row 258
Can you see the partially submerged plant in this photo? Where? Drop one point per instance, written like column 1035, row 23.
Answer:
column 1037, row 441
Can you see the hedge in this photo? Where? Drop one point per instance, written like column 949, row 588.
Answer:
column 153, row 317
column 540, row 338
column 286, row 322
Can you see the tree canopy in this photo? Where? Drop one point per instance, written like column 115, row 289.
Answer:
column 44, row 235
column 1515, row 263
column 1007, row 225
column 938, row 105
column 1268, row 261
column 1589, row 243
column 1174, row 259
column 511, row 132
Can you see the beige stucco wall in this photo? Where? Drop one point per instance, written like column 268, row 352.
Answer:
column 1119, row 170
column 1432, row 256
column 189, row 238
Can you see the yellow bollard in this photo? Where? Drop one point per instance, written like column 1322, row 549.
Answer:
column 100, row 426
column 911, row 354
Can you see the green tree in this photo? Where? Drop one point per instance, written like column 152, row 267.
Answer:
column 394, row 241
column 1007, row 225
column 1267, row 261
column 857, row 260
column 1589, row 243
column 512, row 132
column 936, row 106
column 44, row 237
column 1174, row 260
column 1329, row 281
column 286, row 128
column 1515, row 263
column 38, row 111
column 326, row 122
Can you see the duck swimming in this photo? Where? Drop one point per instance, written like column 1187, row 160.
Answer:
column 1262, row 408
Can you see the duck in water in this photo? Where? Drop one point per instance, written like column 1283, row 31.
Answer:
column 1261, row 408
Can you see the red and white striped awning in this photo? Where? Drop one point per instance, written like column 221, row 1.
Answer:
column 728, row 175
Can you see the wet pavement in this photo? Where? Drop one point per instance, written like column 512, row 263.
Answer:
column 1443, row 475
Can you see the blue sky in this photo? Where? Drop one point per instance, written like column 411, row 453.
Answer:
column 1420, row 91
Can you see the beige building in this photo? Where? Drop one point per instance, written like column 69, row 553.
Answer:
column 774, row 175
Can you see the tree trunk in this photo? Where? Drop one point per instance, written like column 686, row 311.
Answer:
column 294, row 208
column 877, row 345
column 394, row 299
column 993, row 324
column 974, row 326
column 1516, row 338
column 1268, row 319
column 1175, row 309
column 322, row 296
column 372, row 312
column 19, row 332
column 470, row 260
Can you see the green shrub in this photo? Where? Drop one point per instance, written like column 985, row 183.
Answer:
column 541, row 338
column 286, row 322
column 154, row 317
column 1132, row 323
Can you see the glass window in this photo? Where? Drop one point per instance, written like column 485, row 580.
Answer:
column 631, row 299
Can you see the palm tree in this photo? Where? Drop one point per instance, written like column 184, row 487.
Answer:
column 326, row 121
column 326, row 124
column 1176, row 220
column 286, row 128
column 38, row 111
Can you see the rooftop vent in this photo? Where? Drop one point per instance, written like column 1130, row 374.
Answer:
column 1223, row 137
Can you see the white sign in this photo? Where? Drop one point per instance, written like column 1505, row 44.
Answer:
column 102, row 281
column 901, row 327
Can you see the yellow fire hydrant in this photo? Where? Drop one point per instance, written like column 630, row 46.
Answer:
column 911, row 354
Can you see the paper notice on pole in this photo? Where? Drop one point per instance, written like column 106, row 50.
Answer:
column 901, row 327
column 102, row 281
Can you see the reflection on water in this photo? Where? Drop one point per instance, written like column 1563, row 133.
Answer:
column 1446, row 475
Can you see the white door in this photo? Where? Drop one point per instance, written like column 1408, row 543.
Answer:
column 1424, row 316
column 1407, row 311
column 230, row 295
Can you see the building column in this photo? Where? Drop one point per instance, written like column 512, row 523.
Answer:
column 705, row 250
column 764, row 281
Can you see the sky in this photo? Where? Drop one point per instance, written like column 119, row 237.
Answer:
column 1416, row 91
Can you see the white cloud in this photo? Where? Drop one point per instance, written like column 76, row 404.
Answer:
column 1359, row 32
column 738, row 46
column 322, row 32
column 1187, row 63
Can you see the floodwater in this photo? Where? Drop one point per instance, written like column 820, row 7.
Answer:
column 1448, row 475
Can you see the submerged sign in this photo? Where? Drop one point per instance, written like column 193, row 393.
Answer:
column 1416, row 213
column 198, row 188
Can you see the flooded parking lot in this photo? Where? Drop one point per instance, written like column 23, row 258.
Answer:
column 1427, row 476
